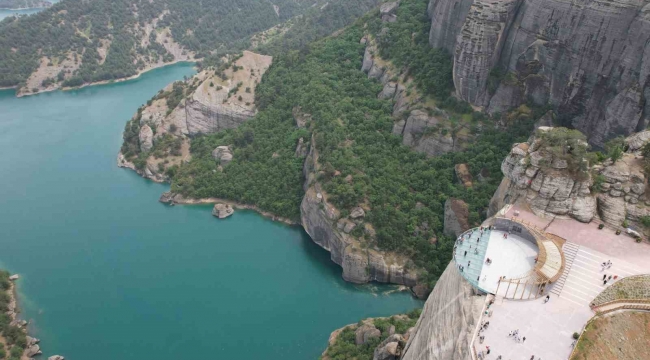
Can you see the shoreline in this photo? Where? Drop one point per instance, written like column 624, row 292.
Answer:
column 179, row 199
column 103, row 82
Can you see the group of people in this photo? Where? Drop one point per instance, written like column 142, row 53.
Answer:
column 606, row 265
column 515, row 335
column 607, row 279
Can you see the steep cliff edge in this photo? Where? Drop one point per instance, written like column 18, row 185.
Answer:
column 157, row 138
column 588, row 59
column 552, row 176
column 323, row 222
column 448, row 319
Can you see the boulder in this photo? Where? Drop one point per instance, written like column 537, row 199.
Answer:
column 618, row 172
column 364, row 333
column 146, row 138
column 388, row 351
column 456, row 217
column 33, row 350
column 638, row 140
column 222, row 211
column 56, row 357
column 349, row 227
column 611, row 209
column 368, row 60
column 357, row 212
column 388, row 8
column 638, row 188
column 583, row 209
column 421, row 291
column 388, row 91
column 14, row 277
column 222, row 154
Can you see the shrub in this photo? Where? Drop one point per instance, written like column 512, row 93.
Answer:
column 576, row 335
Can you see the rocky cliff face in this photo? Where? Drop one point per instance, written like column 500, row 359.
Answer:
column 327, row 228
column 212, row 102
column 589, row 59
column 448, row 319
column 545, row 183
column 425, row 130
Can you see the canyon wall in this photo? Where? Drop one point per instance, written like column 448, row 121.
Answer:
column 589, row 59
column 614, row 192
column 323, row 222
column 448, row 319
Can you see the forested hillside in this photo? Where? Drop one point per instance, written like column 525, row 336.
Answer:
column 78, row 41
column 361, row 161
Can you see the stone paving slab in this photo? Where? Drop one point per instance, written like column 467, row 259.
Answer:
column 548, row 328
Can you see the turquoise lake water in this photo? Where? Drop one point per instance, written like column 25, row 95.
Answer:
column 110, row 273
column 4, row 12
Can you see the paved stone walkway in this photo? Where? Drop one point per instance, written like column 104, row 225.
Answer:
column 548, row 327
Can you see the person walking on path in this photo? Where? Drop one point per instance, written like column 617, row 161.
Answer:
column 523, row 340
column 609, row 278
column 604, row 282
column 604, row 276
column 465, row 253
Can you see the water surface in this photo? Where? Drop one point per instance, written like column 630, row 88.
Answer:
column 5, row 12
column 109, row 273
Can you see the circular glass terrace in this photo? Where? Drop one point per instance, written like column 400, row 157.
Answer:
column 509, row 258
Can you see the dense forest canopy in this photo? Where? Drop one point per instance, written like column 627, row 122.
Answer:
column 351, row 129
column 77, row 29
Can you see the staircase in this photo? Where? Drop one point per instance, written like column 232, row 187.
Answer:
column 570, row 251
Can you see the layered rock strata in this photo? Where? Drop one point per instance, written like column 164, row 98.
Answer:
column 545, row 184
column 323, row 222
column 589, row 59
column 216, row 103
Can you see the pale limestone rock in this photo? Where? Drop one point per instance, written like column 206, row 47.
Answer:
column 638, row 140
column 448, row 320
column 615, row 193
column 222, row 154
column 368, row 60
column 56, row 357
column 388, row 91
column 146, row 138
column 349, row 227
column 583, row 208
column 222, row 211
column 611, row 209
column 618, row 172
column 388, row 8
column 456, row 217
column 364, row 333
column 357, row 212
column 638, row 188
column 33, row 350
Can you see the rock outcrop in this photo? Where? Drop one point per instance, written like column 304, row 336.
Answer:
column 210, row 103
column 550, row 188
column 222, row 154
column 324, row 224
column 364, row 333
column 448, row 319
column 589, row 59
column 222, row 211
column 146, row 138
column 456, row 217
column 425, row 134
